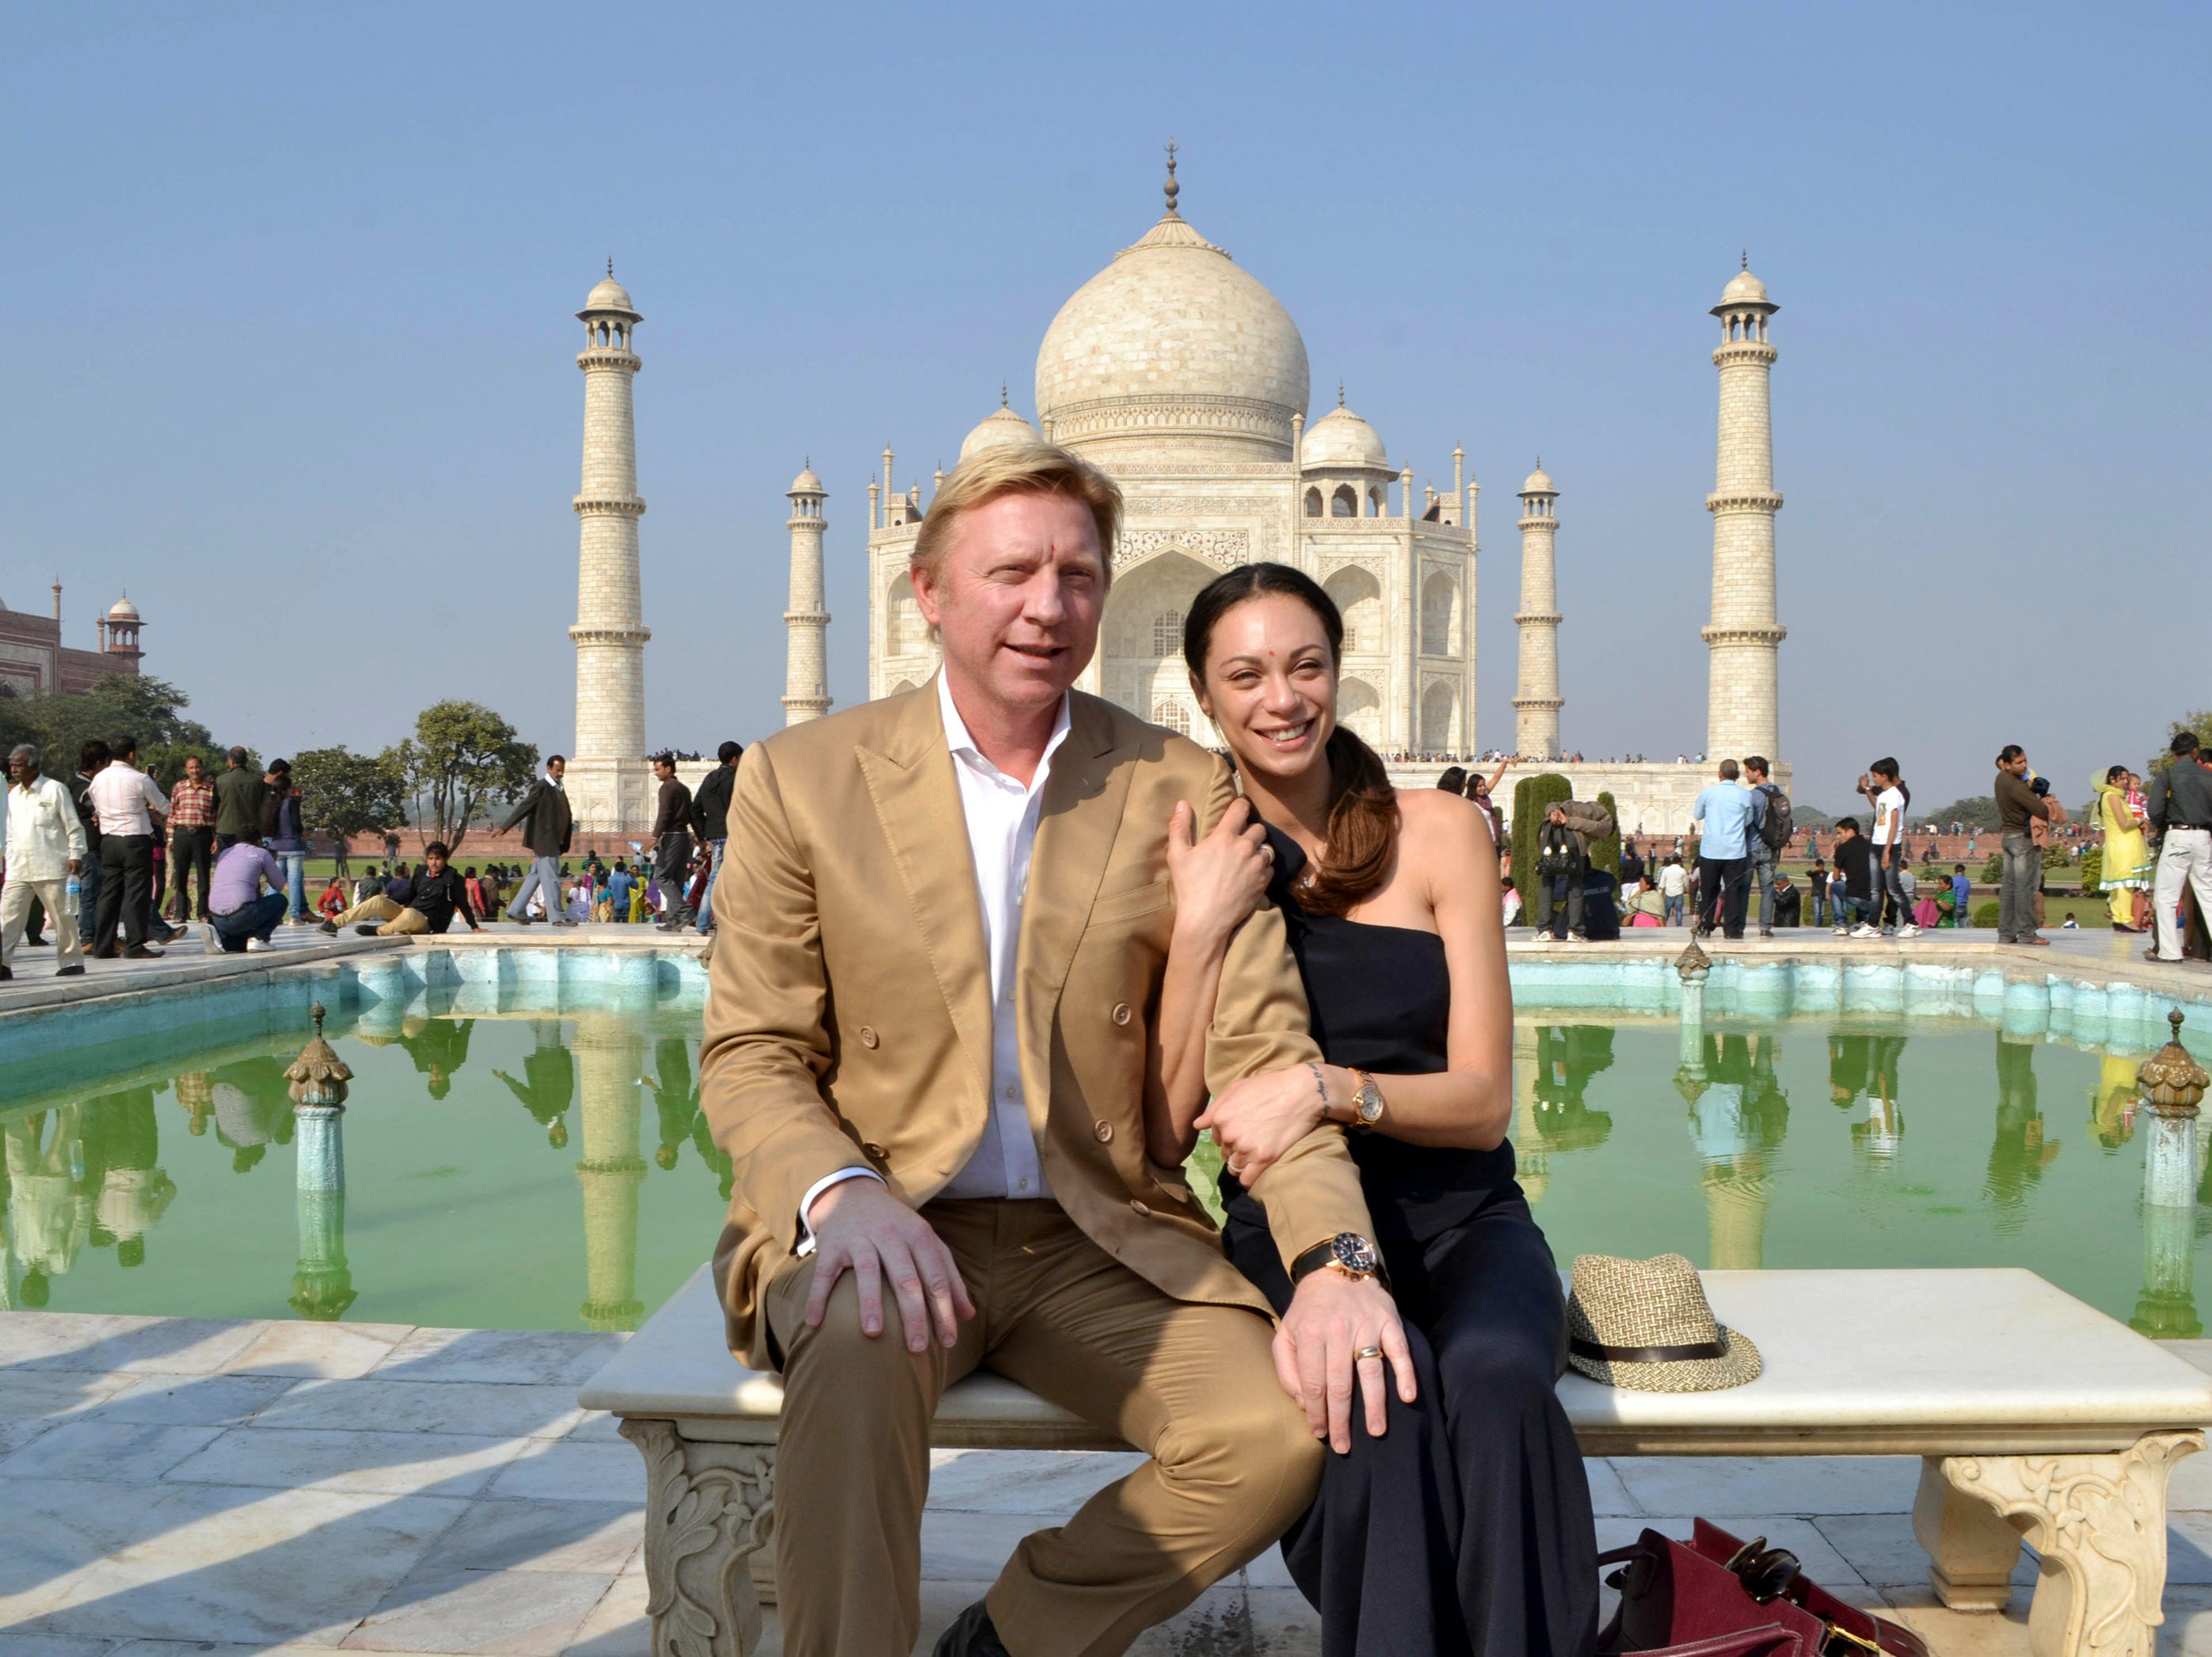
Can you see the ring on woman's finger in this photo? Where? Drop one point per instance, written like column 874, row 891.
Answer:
column 1367, row 1352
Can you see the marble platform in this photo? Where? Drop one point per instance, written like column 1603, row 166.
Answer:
column 169, row 1486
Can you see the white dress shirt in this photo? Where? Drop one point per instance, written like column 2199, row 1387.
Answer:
column 1001, row 813
column 44, row 830
column 122, row 796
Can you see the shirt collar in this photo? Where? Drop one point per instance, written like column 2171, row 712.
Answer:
column 956, row 736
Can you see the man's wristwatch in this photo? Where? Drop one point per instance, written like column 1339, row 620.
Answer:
column 1366, row 1101
column 1348, row 1252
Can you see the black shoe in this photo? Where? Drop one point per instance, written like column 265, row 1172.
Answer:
column 330, row 927
column 7, row 975
column 971, row 1635
column 77, row 972
column 368, row 928
column 142, row 952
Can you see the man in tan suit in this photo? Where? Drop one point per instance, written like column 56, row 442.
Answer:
column 945, row 921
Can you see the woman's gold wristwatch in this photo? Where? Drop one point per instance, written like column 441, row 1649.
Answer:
column 1366, row 1101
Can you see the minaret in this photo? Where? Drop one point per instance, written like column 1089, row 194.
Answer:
column 610, row 1058
column 1536, row 708
column 807, row 624
column 1739, row 701
column 608, row 777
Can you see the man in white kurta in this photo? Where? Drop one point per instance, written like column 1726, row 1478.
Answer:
column 45, row 845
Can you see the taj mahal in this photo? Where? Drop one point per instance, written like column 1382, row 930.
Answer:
column 1177, row 372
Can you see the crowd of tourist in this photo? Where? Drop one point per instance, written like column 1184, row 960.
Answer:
column 116, row 865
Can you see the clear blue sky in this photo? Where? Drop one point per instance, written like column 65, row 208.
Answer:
column 292, row 346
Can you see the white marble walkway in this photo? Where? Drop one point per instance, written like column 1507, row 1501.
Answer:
column 174, row 1486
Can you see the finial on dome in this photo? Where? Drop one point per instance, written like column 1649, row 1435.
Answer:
column 1339, row 393
column 1002, row 393
column 1173, row 188
column 610, row 267
column 1746, row 265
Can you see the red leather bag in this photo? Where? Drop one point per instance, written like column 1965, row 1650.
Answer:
column 1714, row 1596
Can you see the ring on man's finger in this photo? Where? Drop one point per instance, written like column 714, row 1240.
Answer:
column 1367, row 1352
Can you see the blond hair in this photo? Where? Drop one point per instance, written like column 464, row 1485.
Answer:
column 1025, row 469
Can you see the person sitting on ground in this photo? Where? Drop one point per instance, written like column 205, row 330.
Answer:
column 333, row 899
column 247, row 897
column 1789, row 900
column 436, row 896
column 2072, row 925
column 1851, row 892
column 1512, row 901
column 368, row 885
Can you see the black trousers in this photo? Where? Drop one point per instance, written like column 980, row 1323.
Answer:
column 1466, row 1528
column 126, row 888
column 1554, row 892
column 671, row 872
column 191, row 849
column 1729, row 878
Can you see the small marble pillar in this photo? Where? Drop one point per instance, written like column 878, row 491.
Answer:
column 322, row 1282
column 1693, row 966
column 2171, row 1085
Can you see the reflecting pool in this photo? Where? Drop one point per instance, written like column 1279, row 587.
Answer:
column 549, row 1168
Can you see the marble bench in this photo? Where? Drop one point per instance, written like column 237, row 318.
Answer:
column 2035, row 1416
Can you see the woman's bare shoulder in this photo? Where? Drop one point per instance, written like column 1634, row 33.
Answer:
column 1444, row 824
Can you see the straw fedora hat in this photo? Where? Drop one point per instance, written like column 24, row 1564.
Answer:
column 1644, row 1324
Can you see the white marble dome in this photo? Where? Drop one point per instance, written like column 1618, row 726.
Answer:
column 1744, row 289
column 1173, row 343
column 1342, row 438
column 122, row 610
column 1004, row 429
column 1538, row 483
column 610, row 298
column 806, row 483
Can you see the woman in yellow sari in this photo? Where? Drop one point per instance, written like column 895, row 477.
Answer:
column 2127, row 861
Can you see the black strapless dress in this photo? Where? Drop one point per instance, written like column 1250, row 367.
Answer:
column 1466, row 1527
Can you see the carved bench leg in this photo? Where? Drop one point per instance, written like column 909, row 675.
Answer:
column 708, row 1509
column 2099, row 1522
column 1971, row 1549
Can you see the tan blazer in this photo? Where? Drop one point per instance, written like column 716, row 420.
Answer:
column 848, row 1021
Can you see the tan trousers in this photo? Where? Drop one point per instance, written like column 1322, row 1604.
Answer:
column 15, row 909
column 398, row 923
column 1233, row 1462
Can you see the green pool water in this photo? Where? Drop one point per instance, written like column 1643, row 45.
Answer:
column 552, row 1170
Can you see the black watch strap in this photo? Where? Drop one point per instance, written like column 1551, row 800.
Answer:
column 1323, row 1253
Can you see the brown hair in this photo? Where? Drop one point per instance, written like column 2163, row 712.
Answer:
column 1021, row 469
column 1362, row 806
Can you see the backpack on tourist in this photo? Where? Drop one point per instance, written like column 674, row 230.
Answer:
column 1779, row 826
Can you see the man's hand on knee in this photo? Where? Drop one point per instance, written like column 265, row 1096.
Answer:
column 859, row 1226
column 1333, row 1319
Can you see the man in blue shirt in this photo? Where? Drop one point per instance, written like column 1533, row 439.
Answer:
column 1726, row 817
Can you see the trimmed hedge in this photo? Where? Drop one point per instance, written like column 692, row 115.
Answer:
column 1985, row 914
column 1606, row 854
column 1532, row 801
column 2093, row 871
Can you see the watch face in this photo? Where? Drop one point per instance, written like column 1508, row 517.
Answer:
column 1355, row 1254
column 1369, row 1102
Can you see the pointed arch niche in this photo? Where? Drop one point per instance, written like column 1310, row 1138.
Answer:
column 1142, row 636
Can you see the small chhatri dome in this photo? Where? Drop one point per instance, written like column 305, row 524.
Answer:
column 1540, row 481
column 122, row 610
column 1004, row 429
column 1342, row 438
column 610, row 298
column 1744, row 289
column 806, row 483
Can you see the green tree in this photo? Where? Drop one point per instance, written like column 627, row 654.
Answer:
column 2093, row 871
column 1532, row 799
column 2200, row 722
column 347, row 794
column 121, row 705
column 462, row 759
column 1978, row 811
column 1606, row 854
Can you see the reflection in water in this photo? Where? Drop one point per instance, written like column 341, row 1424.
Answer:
column 439, row 1047
column 322, row 1281
column 552, row 1081
column 2113, row 1102
column 1738, row 1116
column 252, row 1109
column 609, row 1073
column 79, row 1174
column 1869, row 1064
column 2018, row 1155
